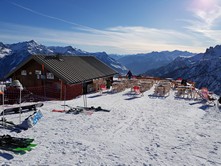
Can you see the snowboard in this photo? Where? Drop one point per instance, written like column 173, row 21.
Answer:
column 16, row 110
column 31, row 120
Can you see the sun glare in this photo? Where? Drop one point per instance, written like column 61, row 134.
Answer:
column 204, row 5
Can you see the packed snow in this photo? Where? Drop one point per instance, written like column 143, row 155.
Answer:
column 138, row 130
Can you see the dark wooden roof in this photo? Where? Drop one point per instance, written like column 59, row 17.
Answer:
column 72, row 69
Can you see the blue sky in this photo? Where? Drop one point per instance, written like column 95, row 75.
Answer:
column 114, row 26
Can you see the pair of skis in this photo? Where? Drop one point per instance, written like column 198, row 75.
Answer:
column 73, row 110
column 16, row 145
column 78, row 109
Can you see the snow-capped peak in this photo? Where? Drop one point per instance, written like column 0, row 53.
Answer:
column 68, row 50
column 4, row 50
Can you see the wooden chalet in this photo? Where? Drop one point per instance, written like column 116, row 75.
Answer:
column 62, row 77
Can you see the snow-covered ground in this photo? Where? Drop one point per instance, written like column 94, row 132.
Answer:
column 143, row 131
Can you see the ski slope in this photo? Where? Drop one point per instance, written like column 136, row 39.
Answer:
column 144, row 131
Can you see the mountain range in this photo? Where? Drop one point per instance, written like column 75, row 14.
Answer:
column 203, row 68
column 13, row 54
column 139, row 63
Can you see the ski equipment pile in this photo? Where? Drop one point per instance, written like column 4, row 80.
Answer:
column 16, row 145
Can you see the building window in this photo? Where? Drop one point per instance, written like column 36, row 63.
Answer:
column 23, row 72
column 50, row 76
column 38, row 72
column 43, row 77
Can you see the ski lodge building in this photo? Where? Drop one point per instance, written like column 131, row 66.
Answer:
column 62, row 77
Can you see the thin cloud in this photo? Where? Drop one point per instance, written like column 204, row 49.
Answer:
column 207, row 15
column 79, row 26
column 120, row 39
column 123, row 37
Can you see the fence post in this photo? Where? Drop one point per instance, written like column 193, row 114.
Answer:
column 20, row 105
column 61, row 91
column 85, row 100
column 64, row 96
column 3, row 106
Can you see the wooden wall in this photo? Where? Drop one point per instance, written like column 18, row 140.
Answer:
column 33, row 76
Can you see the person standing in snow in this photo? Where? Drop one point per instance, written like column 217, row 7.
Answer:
column 129, row 74
column 184, row 82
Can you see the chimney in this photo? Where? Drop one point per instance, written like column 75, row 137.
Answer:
column 59, row 57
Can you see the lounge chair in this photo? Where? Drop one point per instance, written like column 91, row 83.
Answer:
column 102, row 88
column 207, row 96
column 162, row 90
column 118, row 87
column 136, row 90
